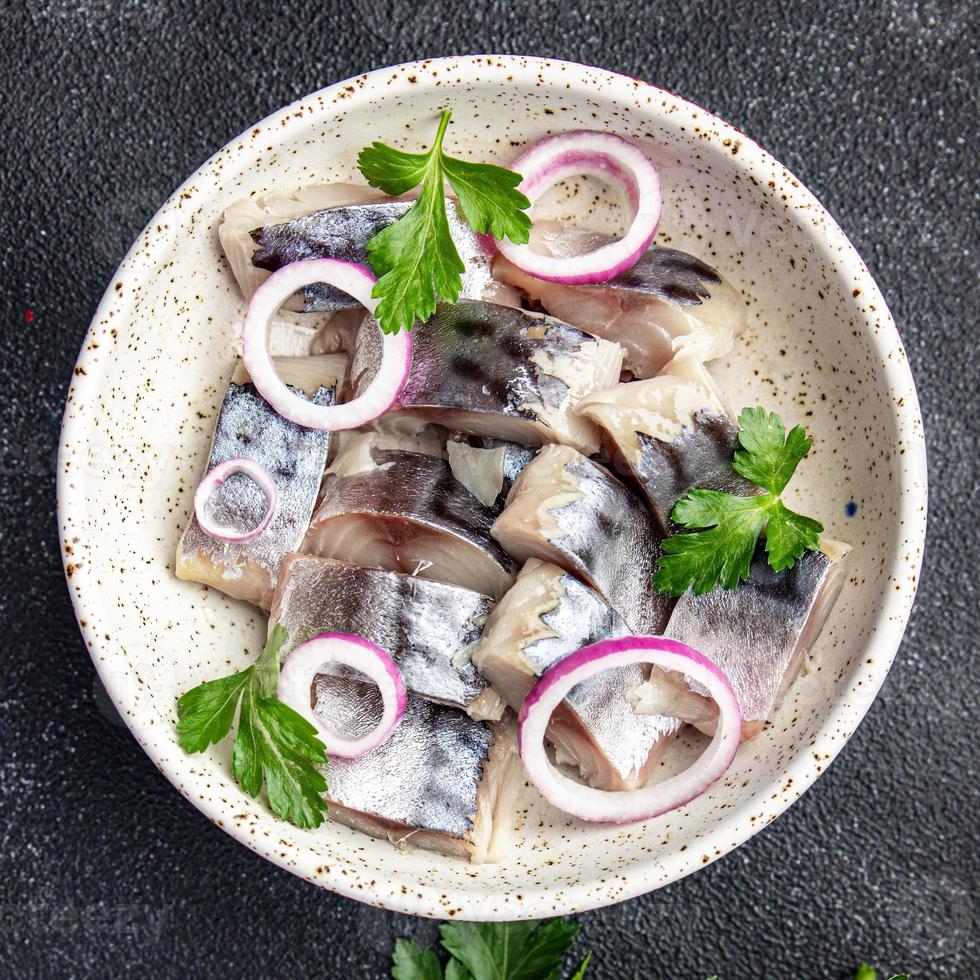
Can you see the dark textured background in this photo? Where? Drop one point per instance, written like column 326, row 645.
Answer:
column 104, row 868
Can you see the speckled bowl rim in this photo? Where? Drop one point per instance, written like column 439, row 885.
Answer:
column 886, row 633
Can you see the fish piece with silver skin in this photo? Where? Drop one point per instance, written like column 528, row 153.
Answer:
column 547, row 615
column 261, row 235
column 567, row 509
column 429, row 629
column 489, row 370
column 671, row 433
column 294, row 456
column 758, row 634
column 409, row 514
column 443, row 781
column 486, row 467
column 669, row 302
column 355, row 447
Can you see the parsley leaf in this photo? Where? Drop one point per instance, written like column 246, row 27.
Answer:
column 866, row 972
column 411, row 963
column 415, row 258
column 274, row 746
column 721, row 551
column 510, row 950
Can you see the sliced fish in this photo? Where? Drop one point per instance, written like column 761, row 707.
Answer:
column 669, row 302
column 429, row 629
column 486, row 467
column 569, row 510
column 395, row 431
column 336, row 221
column 758, row 634
column 671, row 433
column 409, row 514
column 490, row 370
column 547, row 615
column 294, row 456
column 443, row 781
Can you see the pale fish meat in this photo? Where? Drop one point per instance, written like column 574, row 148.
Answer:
column 547, row 615
column 669, row 302
column 443, row 781
column 294, row 456
column 336, row 221
column 428, row 628
column 758, row 634
column 671, row 433
column 354, row 452
column 486, row 467
column 490, row 370
column 566, row 509
column 409, row 514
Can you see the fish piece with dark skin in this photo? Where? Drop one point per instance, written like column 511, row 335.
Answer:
column 489, row 370
column 248, row 426
column 669, row 302
column 567, row 509
column 671, row 433
column 428, row 628
column 409, row 514
column 261, row 235
column 758, row 634
column 545, row 616
column 443, row 781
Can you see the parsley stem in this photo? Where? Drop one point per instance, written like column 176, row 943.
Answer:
column 443, row 124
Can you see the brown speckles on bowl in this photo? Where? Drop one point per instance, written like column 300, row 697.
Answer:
column 820, row 347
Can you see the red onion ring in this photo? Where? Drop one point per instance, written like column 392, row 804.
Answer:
column 215, row 478
column 396, row 349
column 308, row 659
column 649, row 801
column 603, row 155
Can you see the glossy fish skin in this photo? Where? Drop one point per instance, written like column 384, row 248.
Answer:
column 428, row 628
column 242, row 217
column 567, row 509
column 294, row 456
column 547, row 615
column 409, row 514
column 443, row 781
column 668, row 302
column 489, row 370
column 671, row 433
column 758, row 633
column 343, row 232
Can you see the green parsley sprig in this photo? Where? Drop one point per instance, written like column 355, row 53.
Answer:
column 492, row 951
column 415, row 259
column 274, row 745
column 731, row 525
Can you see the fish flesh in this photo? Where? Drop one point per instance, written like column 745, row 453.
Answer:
column 294, row 456
column 669, row 302
column 671, row 433
column 567, row 509
column 490, row 370
column 355, row 447
column 409, row 514
column 547, row 615
column 487, row 468
column 758, row 634
column 443, row 781
column 261, row 235
column 429, row 629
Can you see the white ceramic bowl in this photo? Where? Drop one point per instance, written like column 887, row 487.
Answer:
column 820, row 347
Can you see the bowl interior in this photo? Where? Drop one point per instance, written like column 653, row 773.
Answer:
column 820, row 348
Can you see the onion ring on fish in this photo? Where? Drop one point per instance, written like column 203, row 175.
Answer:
column 215, row 478
column 601, row 806
column 610, row 158
column 396, row 349
column 308, row 659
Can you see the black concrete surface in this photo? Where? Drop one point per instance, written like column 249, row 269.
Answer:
column 104, row 869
